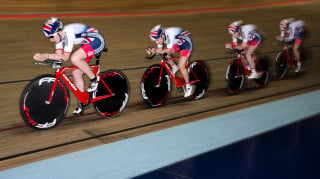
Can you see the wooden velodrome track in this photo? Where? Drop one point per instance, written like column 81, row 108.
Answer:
column 127, row 36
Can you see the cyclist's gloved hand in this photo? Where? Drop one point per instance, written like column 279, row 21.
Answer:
column 150, row 50
column 230, row 46
column 279, row 38
column 40, row 57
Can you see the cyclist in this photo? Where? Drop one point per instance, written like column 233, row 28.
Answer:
column 251, row 39
column 91, row 41
column 293, row 30
column 171, row 40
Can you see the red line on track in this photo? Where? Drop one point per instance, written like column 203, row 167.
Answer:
column 14, row 16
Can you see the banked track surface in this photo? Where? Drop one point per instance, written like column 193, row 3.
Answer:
column 23, row 145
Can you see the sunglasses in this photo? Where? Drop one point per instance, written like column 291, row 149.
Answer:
column 52, row 36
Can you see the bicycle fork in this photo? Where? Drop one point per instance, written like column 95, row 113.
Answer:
column 54, row 87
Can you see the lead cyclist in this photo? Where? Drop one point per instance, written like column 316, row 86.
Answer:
column 92, row 44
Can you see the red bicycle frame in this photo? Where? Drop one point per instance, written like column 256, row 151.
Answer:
column 241, row 58
column 291, row 61
column 84, row 97
column 179, row 81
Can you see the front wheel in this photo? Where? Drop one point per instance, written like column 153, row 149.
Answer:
column 154, row 93
column 201, row 73
column 118, row 83
column 235, row 77
column 281, row 65
column 35, row 109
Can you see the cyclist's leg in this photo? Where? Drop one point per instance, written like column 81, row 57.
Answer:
column 296, row 46
column 79, row 82
column 185, row 49
column 250, row 50
column 78, row 58
column 78, row 79
column 296, row 52
column 174, row 66
column 81, row 58
column 184, row 56
column 298, row 36
column 182, row 66
column 298, row 39
column 249, row 55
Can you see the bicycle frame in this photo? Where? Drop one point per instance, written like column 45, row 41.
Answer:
column 291, row 61
column 241, row 58
column 179, row 81
column 84, row 97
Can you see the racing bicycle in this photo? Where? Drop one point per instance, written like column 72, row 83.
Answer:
column 156, row 84
column 285, row 60
column 45, row 100
column 239, row 69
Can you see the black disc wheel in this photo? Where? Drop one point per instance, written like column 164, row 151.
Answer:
column 305, row 60
column 117, row 82
column 154, row 93
column 201, row 73
column 35, row 109
column 262, row 66
column 281, row 65
column 235, row 77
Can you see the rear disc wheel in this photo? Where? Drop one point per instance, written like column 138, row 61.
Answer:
column 118, row 83
column 201, row 71
column 281, row 64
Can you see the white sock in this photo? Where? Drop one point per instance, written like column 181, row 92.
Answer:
column 175, row 67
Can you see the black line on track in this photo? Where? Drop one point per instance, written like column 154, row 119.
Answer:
column 137, row 68
column 150, row 124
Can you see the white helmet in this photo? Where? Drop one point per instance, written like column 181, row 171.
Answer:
column 284, row 23
column 52, row 26
column 234, row 26
column 156, row 32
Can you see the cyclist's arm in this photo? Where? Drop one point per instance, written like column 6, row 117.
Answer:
column 169, row 51
column 281, row 36
column 57, row 56
column 52, row 56
column 60, row 52
column 234, row 41
column 290, row 36
column 233, row 44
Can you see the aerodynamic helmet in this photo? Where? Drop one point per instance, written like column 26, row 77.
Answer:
column 51, row 27
column 234, row 27
column 156, row 32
